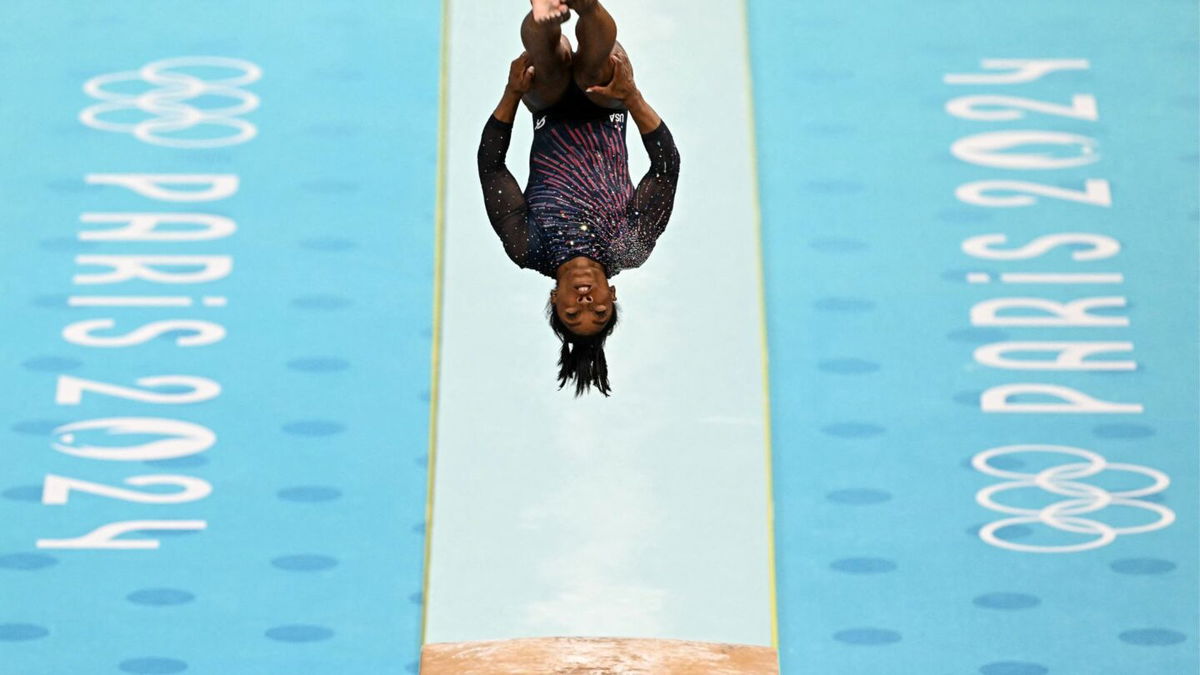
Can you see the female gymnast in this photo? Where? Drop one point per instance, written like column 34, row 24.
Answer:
column 579, row 220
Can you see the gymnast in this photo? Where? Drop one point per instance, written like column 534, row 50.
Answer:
column 579, row 220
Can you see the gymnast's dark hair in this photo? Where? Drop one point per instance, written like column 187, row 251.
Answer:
column 582, row 357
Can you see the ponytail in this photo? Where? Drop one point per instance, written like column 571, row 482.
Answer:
column 581, row 359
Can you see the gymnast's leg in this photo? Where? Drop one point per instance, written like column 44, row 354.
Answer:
column 596, row 33
column 550, row 52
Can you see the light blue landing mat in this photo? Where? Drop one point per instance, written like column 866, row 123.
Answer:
column 645, row 514
column 876, row 383
column 306, row 469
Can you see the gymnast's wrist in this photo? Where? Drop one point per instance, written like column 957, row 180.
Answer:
column 506, row 110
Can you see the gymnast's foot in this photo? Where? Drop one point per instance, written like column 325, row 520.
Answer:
column 546, row 11
column 581, row 6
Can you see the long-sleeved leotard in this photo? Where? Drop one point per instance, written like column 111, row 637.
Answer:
column 579, row 199
column 506, row 207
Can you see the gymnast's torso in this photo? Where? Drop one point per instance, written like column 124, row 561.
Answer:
column 579, row 190
column 579, row 199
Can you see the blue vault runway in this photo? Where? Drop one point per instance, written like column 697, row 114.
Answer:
column 941, row 416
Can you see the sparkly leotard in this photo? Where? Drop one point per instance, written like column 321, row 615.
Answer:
column 579, row 200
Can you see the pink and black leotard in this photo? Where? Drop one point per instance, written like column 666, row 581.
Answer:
column 579, row 200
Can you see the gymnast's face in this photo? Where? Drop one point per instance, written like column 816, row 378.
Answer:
column 582, row 298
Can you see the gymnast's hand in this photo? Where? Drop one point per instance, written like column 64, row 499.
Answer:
column 622, row 86
column 520, row 75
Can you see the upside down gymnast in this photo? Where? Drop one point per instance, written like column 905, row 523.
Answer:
column 579, row 220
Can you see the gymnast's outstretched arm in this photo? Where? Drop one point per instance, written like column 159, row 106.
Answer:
column 502, row 195
column 655, row 196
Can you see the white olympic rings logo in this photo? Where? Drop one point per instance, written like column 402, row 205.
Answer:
column 168, row 102
column 1082, row 498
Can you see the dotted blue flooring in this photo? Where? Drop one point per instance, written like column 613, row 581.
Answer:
column 310, row 560
column 876, row 394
